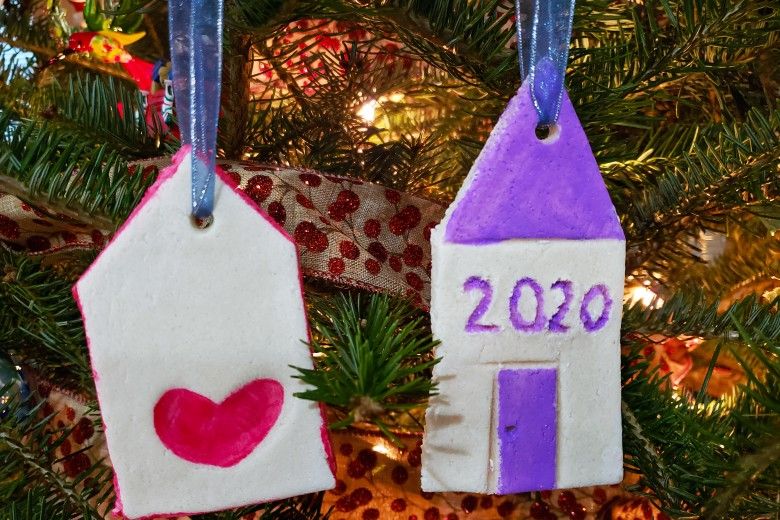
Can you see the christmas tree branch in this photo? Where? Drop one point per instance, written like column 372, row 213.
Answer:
column 373, row 359
column 237, row 75
column 686, row 450
column 67, row 171
column 27, row 457
column 35, row 505
column 81, row 62
column 730, row 169
column 690, row 313
column 101, row 110
column 47, row 328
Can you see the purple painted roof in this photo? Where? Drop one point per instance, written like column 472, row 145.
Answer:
column 526, row 188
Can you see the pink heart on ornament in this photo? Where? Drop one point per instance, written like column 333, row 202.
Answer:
column 199, row 430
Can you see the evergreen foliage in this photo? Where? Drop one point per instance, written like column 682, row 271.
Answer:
column 678, row 98
column 30, row 486
column 691, row 448
column 374, row 359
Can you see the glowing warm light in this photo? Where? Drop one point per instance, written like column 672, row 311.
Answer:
column 385, row 448
column 381, row 448
column 367, row 111
column 643, row 295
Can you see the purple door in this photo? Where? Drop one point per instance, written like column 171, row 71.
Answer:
column 527, row 425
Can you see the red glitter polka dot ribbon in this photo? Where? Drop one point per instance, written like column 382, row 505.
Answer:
column 349, row 232
column 376, row 479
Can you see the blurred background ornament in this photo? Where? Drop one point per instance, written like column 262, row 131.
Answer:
column 109, row 47
column 686, row 361
column 14, row 390
column 117, row 15
column 710, row 245
column 766, row 289
column 69, row 14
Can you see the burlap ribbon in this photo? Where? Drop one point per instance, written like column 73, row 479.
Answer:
column 349, row 232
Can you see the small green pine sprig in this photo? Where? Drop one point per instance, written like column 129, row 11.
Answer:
column 373, row 355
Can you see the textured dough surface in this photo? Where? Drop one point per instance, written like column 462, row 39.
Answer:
column 536, row 214
column 460, row 451
column 169, row 306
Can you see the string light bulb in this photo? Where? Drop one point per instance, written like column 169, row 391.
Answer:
column 367, row 111
column 644, row 295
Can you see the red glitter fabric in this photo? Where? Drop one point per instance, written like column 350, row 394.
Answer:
column 349, row 232
column 376, row 479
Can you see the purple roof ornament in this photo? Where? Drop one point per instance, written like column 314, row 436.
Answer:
column 521, row 187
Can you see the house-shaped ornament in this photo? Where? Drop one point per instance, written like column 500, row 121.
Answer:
column 191, row 335
column 528, row 267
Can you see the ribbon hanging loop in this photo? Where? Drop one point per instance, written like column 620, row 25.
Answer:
column 543, row 35
column 196, row 53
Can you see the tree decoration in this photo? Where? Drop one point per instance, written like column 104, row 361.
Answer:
column 180, row 431
column 155, row 304
column 109, row 47
column 14, row 391
column 101, row 15
column 522, row 316
column 381, row 246
column 528, row 267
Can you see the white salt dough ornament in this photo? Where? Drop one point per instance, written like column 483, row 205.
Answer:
column 191, row 335
column 528, row 268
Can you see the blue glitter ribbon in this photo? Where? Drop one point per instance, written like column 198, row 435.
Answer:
column 543, row 34
column 196, row 53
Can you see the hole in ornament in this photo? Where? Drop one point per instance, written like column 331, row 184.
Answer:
column 547, row 133
column 201, row 222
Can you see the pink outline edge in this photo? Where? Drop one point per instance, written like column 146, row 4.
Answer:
column 166, row 174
